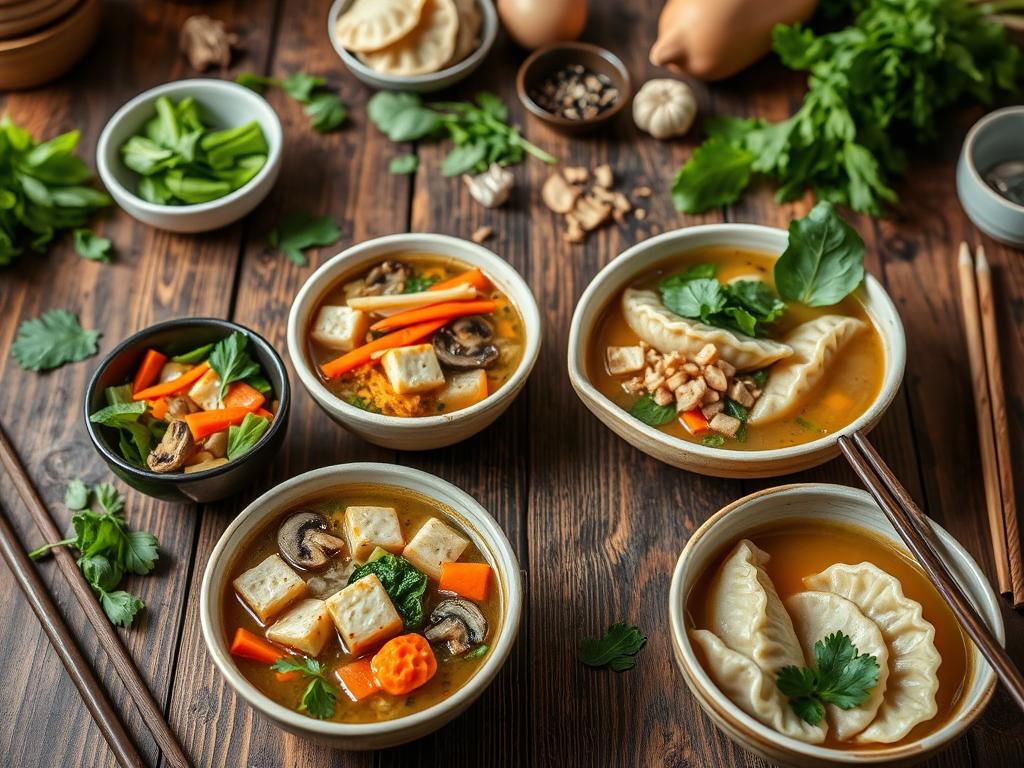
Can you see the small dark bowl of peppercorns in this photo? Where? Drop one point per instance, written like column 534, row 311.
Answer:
column 573, row 87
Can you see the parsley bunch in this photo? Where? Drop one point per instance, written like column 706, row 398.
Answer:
column 843, row 677
column 319, row 697
column 616, row 650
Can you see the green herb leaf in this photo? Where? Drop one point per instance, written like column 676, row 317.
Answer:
column 121, row 607
column 652, row 414
column 326, row 112
column 51, row 340
column 418, row 284
column 737, row 411
column 244, row 437
column 76, row 496
column 476, row 653
column 463, row 159
column 299, row 231
column 843, row 677
column 824, row 260
column 698, row 298
column 713, row 441
column 309, row 667
column 300, row 85
column 254, row 82
column 231, row 361
column 616, row 650
column 318, row 699
column 92, row 246
column 404, row 584
column 196, row 355
column 715, row 175
column 108, row 498
column 403, row 164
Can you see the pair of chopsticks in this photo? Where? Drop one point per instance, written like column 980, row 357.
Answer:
column 60, row 636
column 915, row 530
column 979, row 313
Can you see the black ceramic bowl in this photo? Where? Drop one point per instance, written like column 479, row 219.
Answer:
column 176, row 337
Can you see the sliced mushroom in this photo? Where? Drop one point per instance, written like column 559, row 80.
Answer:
column 179, row 406
column 174, row 450
column 558, row 194
column 386, row 278
column 458, row 623
column 465, row 344
column 304, row 541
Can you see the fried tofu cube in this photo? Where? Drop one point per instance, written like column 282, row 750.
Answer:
column 340, row 328
column 367, row 528
column 435, row 543
column 206, row 391
column 624, row 360
column 364, row 615
column 413, row 369
column 463, row 390
column 172, row 370
column 270, row 587
column 305, row 627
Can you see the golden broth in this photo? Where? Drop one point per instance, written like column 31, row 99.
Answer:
column 801, row 548
column 851, row 384
column 413, row 511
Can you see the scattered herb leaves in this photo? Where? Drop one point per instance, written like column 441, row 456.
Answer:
column 76, row 496
column 744, row 305
column 299, row 231
column 616, row 650
column 89, row 245
column 51, row 340
column 325, row 109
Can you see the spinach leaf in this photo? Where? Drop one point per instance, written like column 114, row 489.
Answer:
column 135, row 438
column 403, row 583
column 652, row 414
column 697, row 298
column 824, row 261
column 243, row 437
column 716, row 175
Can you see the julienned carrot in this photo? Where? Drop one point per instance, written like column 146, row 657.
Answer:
column 694, row 421
column 444, row 311
column 184, row 381
column 469, row 580
column 158, row 408
column 474, row 277
column 149, row 370
column 242, row 395
column 205, row 423
column 403, row 664
column 362, row 355
column 357, row 679
column 246, row 645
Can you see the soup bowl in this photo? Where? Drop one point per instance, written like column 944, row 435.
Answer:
column 836, row 504
column 421, row 432
column 472, row 518
column 707, row 460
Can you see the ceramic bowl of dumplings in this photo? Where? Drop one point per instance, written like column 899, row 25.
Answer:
column 695, row 457
column 853, row 508
column 441, row 76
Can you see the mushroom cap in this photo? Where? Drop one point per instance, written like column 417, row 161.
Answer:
column 304, row 542
column 174, row 449
column 386, row 278
column 458, row 622
column 465, row 344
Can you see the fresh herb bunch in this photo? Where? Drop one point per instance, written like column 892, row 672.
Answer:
column 319, row 697
column 325, row 110
column 107, row 549
column 843, row 677
column 42, row 190
column 51, row 340
column 883, row 79
column 404, row 584
column 616, row 650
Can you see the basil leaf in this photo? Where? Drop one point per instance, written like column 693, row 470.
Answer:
column 699, row 298
column 649, row 412
column 326, row 111
column 714, row 176
column 824, row 261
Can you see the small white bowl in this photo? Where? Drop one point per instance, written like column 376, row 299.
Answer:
column 475, row 520
column 432, row 81
column 225, row 105
column 839, row 504
column 643, row 257
column 424, row 432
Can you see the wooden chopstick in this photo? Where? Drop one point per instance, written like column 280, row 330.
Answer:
column 915, row 531
column 108, row 638
column 983, row 412
column 63, row 643
column 997, row 399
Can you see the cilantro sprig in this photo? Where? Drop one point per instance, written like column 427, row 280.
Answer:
column 52, row 339
column 617, row 650
column 319, row 697
column 231, row 361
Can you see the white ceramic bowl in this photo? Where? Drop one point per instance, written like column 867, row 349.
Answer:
column 475, row 520
column 641, row 258
column 224, row 105
column 850, row 506
column 426, row 432
column 994, row 139
column 432, row 81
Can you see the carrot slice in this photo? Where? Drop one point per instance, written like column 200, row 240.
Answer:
column 403, row 664
column 149, row 370
column 474, row 277
column 184, row 381
column 364, row 354
column 242, row 395
column 694, row 422
column 246, row 645
column 357, row 679
column 470, row 580
column 158, row 408
column 444, row 311
column 205, row 423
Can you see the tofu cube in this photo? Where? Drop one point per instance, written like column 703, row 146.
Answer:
column 340, row 328
column 305, row 627
column 435, row 543
column 364, row 615
column 624, row 360
column 413, row 369
column 172, row 371
column 463, row 390
column 270, row 587
column 367, row 528
column 206, row 392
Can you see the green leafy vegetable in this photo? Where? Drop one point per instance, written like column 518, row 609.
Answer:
column 476, row 653
column 76, row 496
column 361, row 402
column 743, row 305
column 92, row 246
column 243, row 437
column 300, row 85
column 404, row 584
column 715, row 175
column 824, row 260
column 403, row 164
column 616, row 650
column 52, row 339
column 713, row 441
column 326, row 110
column 299, row 230
column 759, row 377
column 652, row 414
column 319, row 697
column 135, row 438
column 196, row 355
column 418, row 284
column 231, row 361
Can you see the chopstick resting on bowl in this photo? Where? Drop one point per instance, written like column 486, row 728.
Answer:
column 993, row 428
column 914, row 528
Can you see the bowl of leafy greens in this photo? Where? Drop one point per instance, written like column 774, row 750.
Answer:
column 192, row 155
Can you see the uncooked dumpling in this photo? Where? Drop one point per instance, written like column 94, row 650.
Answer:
column 667, row 332
column 913, row 659
column 369, row 25
column 816, row 615
column 815, row 345
column 426, row 49
column 752, row 690
column 467, row 39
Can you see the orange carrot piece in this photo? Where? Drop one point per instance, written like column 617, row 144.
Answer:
column 364, row 354
column 444, row 311
column 149, row 371
column 158, row 408
column 242, row 395
column 263, row 413
column 474, row 277
column 694, row 422
column 184, row 381
column 470, row 580
column 357, row 679
column 246, row 645
column 403, row 664
column 205, row 423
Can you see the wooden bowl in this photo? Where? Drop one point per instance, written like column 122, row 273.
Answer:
column 18, row 20
column 45, row 55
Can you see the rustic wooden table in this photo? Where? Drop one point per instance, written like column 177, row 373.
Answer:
column 597, row 525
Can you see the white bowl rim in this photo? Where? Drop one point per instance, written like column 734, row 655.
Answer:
column 872, row 755
column 489, row 35
column 391, row 474
column 968, row 153
column 894, row 347
column 312, row 289
column 190, row 87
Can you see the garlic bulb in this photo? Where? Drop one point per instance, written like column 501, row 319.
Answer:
column 664, row 108
column 490, row 188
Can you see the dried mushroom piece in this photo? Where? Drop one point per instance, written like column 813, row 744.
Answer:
column 206, row 43
column 558, row 194
column 175, row 449
column 592, row 212
column 480, row 234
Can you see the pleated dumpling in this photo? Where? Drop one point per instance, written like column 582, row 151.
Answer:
column 369, row 25
column 752, row 690
column 667, row 332
column 816, row 615
column 815, row 345
column 426, row 49
column 913, row 658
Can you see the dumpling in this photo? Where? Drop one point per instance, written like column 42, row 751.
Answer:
column 667, row 332
column 426, row 49
column 468, row 37
column 814, row 344
column 816, row 615
column 369, row 25
column 752, row 690
column 913, row 659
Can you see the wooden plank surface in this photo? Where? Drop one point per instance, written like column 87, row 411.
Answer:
column 596, row 524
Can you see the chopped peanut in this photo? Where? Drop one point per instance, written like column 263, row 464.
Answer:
column 724, row 424
column 715, row 378
column 707, row 355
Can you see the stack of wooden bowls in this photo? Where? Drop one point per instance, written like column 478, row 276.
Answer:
column 41, row 39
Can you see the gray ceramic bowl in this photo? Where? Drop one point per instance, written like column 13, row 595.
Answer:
column 996, row 138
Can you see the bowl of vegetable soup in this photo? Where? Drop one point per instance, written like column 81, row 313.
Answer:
column 361, row 605
column 737, row 350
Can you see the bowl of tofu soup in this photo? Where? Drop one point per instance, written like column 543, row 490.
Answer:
column 361, row 605
column 810, row 635
column 414, row 341
column 737, row 350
